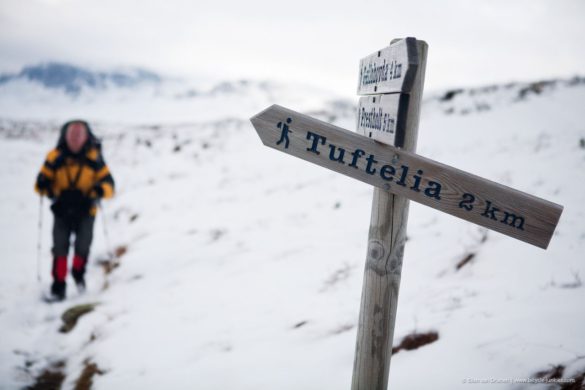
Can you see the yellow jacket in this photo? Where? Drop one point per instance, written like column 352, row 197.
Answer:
column 86, row 172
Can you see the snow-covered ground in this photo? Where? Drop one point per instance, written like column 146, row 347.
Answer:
column 244, row 266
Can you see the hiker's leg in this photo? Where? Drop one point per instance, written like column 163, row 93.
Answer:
column 83, row 239
column 61, row 234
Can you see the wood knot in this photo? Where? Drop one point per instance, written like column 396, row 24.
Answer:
column 375, row 251
column 395, row 266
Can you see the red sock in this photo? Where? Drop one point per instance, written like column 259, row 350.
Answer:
column 60, row 268
column 78, row 263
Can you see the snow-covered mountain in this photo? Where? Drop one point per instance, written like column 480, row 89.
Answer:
column 74, row 79
column 241, row 268
column 463, row 101
column 60, row 91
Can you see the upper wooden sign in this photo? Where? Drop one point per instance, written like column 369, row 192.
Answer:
column 417, row 178
column 389, row 70
column 383, row 117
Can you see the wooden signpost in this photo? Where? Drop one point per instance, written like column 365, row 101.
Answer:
column 381, row 153
column 387, row 236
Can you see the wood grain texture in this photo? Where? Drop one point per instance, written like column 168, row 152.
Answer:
column 391, row 69
column 381, row 284
column 540, row 216
column 386, row 242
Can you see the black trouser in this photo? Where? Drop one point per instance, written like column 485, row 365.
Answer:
column 62, row 231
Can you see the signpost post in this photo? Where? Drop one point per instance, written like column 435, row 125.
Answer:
column 387, row 234
column 382, row 154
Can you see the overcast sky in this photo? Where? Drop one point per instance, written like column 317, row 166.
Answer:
column 312, row 41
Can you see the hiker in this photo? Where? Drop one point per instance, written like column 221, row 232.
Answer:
column 75, row 178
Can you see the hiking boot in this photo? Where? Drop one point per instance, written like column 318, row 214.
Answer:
column 58, row 290
column 80, row 284
column 78, row 272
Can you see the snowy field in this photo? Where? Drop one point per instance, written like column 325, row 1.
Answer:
column 243, row 266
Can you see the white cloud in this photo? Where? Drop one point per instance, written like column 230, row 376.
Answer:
column 321, row 42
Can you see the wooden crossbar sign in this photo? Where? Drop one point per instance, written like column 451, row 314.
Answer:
column 382, row 153
column 464, row 195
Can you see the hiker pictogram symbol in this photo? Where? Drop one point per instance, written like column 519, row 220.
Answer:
column 285, row 130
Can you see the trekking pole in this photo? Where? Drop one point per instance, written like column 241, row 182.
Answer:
column 39, row 240
column 106, row 235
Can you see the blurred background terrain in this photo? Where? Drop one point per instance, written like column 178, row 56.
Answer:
column 221, row 264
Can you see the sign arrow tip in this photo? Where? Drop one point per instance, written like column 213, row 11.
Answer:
column 258, row 115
